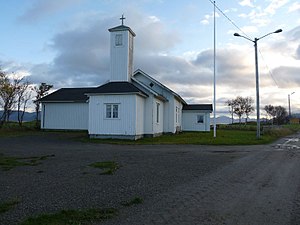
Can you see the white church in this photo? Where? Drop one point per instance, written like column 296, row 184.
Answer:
column 131, row 105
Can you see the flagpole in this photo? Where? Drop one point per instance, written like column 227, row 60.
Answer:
column 215, row 127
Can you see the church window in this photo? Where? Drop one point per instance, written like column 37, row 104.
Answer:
column 200, row 119
column 118, row 40
column 157, row 112
column 112, row 111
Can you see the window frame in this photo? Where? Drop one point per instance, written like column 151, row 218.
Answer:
column 157, row 112
column 112, row 111
column 199, row 120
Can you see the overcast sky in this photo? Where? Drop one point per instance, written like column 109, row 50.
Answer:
column 66, row 43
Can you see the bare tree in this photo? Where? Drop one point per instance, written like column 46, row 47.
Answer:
column 230, row 104
column 8, row 92
column 41, row 91
column 248, row 101
column 239, row 107
column 23, row 96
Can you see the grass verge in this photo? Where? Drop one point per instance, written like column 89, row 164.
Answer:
column 226, row 135
column 9, row 162
column 72, row 217
column 108, row 167
column 8, row 205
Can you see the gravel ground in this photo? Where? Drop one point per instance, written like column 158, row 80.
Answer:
column 179, row 184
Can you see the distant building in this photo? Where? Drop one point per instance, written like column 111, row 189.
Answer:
column 131, row 105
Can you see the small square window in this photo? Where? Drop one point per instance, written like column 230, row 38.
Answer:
column 200, row 119
column 112, row 111
column 118, row 40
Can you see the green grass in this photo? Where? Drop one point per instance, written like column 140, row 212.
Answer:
column 72, row 217
column 10, row 162
column 8, row 205
column 224, row 137
column 108, row 167
column 132, row 202
column 12, row 129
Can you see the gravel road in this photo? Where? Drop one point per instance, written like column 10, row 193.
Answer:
column 179, row 184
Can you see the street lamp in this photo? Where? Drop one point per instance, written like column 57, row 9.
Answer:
column 257, row 76
column 289, row 101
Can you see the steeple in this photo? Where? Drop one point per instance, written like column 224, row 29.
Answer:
column 121, row 52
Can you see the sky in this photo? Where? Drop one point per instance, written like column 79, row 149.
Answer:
column 66, row 43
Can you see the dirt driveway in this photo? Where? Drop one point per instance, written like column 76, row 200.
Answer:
column 178, row 184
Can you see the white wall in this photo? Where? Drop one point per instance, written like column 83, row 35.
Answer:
column 140, row 108
column 189, row 120
column 69, row 116
column 124, row 125
column 119, row 58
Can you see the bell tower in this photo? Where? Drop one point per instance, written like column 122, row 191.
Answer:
column 121, row 52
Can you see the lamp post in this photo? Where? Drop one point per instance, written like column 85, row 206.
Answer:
column 257, row 77
column 289, row 101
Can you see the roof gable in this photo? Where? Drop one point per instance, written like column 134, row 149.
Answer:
column 153, row 81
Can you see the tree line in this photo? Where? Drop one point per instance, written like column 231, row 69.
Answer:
column 15, row 94
column 242, row 106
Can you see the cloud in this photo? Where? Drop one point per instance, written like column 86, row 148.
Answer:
column 294, row 7
column 40, row 9
column 275, row 5
column 246, row 3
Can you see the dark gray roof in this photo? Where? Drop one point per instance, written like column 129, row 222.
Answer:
column 122, row 87
column 80, row 94
column 198, row 107
column 121, row 28
column 67, row 95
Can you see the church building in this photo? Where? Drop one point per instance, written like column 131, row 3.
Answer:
column 131, row 105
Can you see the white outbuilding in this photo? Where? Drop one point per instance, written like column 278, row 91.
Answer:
column 131, row 105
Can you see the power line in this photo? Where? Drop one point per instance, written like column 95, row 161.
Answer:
column 230, row 20
column 267, row 67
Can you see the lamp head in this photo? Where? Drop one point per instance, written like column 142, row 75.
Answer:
column 277, row 31
column 236, row 34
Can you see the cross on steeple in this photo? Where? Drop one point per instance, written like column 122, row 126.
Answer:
column 122, row 18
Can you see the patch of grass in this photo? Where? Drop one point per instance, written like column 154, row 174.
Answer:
column 108, row 167
column 13, row 129
column 10, row 162
column 132, row 202
column 235, row 135
column 72, row 217
column 8, row 205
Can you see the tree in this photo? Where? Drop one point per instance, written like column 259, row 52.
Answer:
column 277, row 113
column 230, row 104
column 270, row 110
column 248, row 101
column 8, row 92
column 240, row 106
column 23, row 96
column 281, row 114
column 41, row 91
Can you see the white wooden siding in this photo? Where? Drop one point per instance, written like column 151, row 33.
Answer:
column 189, row 121
column 169, row 108
column 124, row 125
column 65, row 116
column 158, row 128
column 119, row 58
column 140, row 107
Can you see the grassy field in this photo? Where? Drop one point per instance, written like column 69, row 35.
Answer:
column 226, row 135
